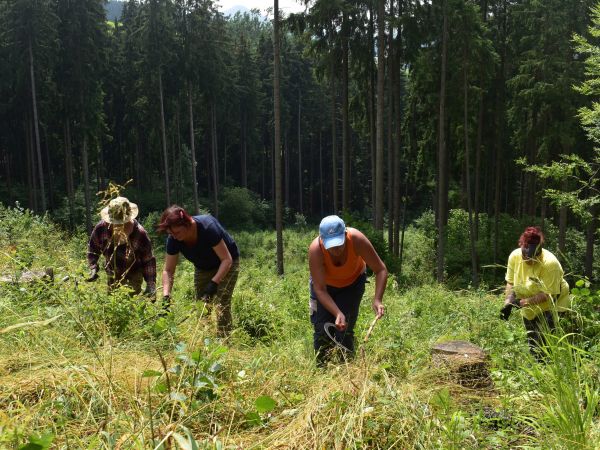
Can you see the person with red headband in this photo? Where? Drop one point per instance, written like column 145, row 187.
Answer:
column 337, row 260
column 535, row 284
column 214, row 253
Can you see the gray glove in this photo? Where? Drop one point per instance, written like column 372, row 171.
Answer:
column 93, row 275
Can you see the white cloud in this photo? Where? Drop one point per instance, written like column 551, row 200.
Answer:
column 287, row 6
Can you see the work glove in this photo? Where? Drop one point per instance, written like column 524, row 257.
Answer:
column 513, row 302
column 150, row 292
column 166, row 306
column 210, row 290
column 93, row 275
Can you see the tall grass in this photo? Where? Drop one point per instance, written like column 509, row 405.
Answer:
column 109, row 373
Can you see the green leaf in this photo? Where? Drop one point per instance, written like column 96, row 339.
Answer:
column 253, row 418
column 580, row 283
column 151, row 373
column 161, row 388
column 38, row 442
column 264, row 404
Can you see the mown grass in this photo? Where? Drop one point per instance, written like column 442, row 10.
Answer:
column 109, row 373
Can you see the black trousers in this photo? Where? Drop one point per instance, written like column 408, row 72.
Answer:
column 540, row 324
column 348, row 300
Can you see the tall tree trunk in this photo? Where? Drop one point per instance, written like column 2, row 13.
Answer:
column 442, row 199
column 345, row 121
column 214, row 159
column 164, row 137
column 379, row 175
column 7, row 172
column 334, row 163
column 277, row 113
column 69, row 171
column 478, row 144
column 31, row 177
column 36, row 129
column 193, row 149
column 371, row 109
column 391, row 175
column 286, row 164
column 321, row 212
column 397, row 101
column 177, row 163
column 244, row 149
column 49, row 166
column 590, row 240
column 474, row 262
column 86, row 171
column 562, row 229
column 299, row 155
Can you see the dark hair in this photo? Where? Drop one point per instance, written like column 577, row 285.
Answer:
column 531, row 235
column 174, row 215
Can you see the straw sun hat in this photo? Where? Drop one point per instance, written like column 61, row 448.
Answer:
column 119, row 211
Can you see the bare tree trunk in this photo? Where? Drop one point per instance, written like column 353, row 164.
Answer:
column 86, row 174
column 193, row 149
column 590, row 240
column 214, row 159
column 31, row 176
column 379, row 175
column 333, row 146
column 442, row 156
column 244, row 149
column 164, row 138
column 6, row 157
column 391, row 175
column 321, row 173
column 345, row 121
column 37, row 130
column 177, row 163
column 69, row 172
column 397, row 96
column 474, row 262
column 299, row 155
column 277, row 150
column 371, row 109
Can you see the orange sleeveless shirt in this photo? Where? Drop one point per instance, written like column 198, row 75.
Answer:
column 346, row 274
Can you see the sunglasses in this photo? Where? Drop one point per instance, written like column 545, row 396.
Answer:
column 531, row 251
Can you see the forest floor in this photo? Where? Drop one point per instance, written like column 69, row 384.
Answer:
column 107, row 372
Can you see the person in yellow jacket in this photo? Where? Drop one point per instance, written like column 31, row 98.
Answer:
column 535, row 284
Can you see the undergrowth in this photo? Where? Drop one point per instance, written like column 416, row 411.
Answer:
column 80, row 368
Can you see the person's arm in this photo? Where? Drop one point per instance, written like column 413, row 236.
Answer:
column 317, row 272
column 365, row 249
column 144, row 249
column 94, row 248
column 537, row 299
column 226, row 261
column 168, row 274
column 508, row 292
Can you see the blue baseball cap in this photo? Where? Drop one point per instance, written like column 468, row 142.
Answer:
column 332, row 231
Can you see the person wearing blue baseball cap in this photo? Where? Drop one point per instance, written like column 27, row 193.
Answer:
column 337, row 260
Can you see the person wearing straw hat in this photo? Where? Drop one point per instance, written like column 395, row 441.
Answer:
column 535, row 284
column 337, row 260
column 126, row 248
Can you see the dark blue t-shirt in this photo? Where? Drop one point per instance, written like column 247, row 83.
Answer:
column 202, row 255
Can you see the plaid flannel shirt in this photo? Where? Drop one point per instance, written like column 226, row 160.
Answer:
column 101, row 243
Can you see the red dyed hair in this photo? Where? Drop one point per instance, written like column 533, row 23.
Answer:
column 531, row 235
column 174, row 215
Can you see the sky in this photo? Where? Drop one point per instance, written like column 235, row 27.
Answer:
column 287, row 6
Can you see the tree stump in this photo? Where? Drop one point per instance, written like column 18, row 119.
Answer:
column 467, row 363
column 29, row 276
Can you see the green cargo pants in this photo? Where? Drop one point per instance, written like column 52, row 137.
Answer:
column 222, row 299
